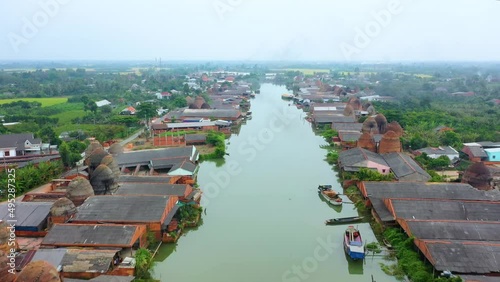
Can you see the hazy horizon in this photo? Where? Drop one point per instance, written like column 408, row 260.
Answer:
column 361, row 31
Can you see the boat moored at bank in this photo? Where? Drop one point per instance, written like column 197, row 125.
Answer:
column 329, row 195
column 353, row 243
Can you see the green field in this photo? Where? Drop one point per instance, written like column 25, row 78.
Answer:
column 46, row 102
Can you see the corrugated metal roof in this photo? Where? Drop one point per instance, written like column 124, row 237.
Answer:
column 477, row 151
column 119, row 208
column 29, row 215
column 196, row 137
column 358, row 157
column 349, row 136
column 479, row 278
column 376, row 191
column 145, row 156
column 464, row 257
column 152, row 189
column 189, row 124
column 403, row 165
column 209, row 113
column 455, row 230
column 355, row 126
column 144, row 179
column 88, row 260
column 90, row 235
column 333, row 118
column 52, row 256
column 185, row 165
column 444, row 150
column 452, row 191
column 446, row 210
column 166, row 163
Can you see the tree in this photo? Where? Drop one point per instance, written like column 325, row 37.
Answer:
column 47, row 134
column 143, row 262
column 106, row 109
column 147, row 111
column 185, row 89
column 92, row 106
column 366, row 174
column 418, row 142
column 65, row 154
column 71, row 152
column 450, row 138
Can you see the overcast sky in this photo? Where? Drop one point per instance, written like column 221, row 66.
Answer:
column 285, row 30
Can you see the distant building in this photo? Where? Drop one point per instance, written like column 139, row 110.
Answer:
column 128, row 111
column 12, row 145
column 493, row 154
column 103, row 103
column 439, row 151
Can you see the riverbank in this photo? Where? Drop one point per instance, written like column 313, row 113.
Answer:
column 392, row 241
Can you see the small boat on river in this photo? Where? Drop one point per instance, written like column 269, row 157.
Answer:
column 287, row 96
column 329, row 195
column 353, row 244
column 343, row 220
column 387, row 244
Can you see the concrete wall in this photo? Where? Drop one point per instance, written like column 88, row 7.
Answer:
column 12, row 152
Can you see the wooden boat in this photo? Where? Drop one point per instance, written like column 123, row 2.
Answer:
column 353, row 243
column 287, row 96
column 329, row 195
column 387, row 244
column 342, row 220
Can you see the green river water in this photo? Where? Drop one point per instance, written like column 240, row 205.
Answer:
column 264, row 220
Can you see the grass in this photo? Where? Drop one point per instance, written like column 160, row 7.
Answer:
column 66, row 112
column 66, row 117
column 46, row 102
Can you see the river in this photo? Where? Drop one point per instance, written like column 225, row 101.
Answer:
column 264, row 220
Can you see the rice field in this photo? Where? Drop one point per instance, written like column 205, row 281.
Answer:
column 46, row 102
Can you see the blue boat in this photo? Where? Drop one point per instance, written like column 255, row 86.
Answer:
column 353, row 244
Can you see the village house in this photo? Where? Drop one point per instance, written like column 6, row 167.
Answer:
column 31, row 217
column 376, row 192
column 493, row 154
column 405, row 168
column 187, row 115
column 128, row 111
column 200, row 125
column 125, row 237
column 179, row 161
column 129, row 209
column 482, row 151
column 12, row 145
column 354, row 159
column 474, row 152
column 103, row 103
column 87, row 263
column 435, row 153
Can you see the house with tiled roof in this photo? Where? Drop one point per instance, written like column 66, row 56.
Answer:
column 128, row 111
